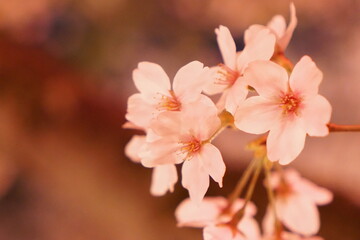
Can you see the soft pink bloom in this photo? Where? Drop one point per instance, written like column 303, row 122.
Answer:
column 291, row 236
column 288, row 107
column 185, row 137
column 156, row 94
column 296, row 201
column 213, row 215
column 164, row 177
column 277, row 25
column 226, row 77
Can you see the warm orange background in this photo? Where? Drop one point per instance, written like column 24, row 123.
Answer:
column 65, row 75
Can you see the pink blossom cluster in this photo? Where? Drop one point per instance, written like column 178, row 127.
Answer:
column 180, row 122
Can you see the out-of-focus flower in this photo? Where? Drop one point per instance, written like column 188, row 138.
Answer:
column 277, row 25
column 290, row 236
column 227, row 77
column 213, row 214
column 164, row 177
column 185, row 137
column 290, row 107
column 296, row 201
column 156, row 94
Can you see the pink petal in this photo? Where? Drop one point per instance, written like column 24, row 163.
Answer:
column 139, row 112
column 227, row 46
column 251, row 32
column 285, row 141
column 150, row 79
column 190, row 214
column 195, row 179
column 163, row 151
column 268, row 222
column 133, row 147
column 250, row 228
column 220, row 232
column 236, row 95
column 189, row 81
column 166, row 123
column 305, row 78
column 283, row 42
column 316, row 114
column 212, row 85
column 319, row 195
column 164, row 178
column 257, row 115
column 268, row 79
column 212, row 162
column 260, row 48
column 299, row 214
column 278, row 25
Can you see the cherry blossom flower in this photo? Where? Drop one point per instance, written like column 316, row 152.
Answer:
column 164, row 177
column 291, row 236
column 277, row 25
column 226, row 77
column 289, row 108
column 213, row 215
column 185, row 137
column 156, row 94
column 296, row 201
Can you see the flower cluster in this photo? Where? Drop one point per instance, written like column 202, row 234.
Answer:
column 180, row 122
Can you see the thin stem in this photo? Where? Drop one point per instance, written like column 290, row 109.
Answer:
column 343, row 128
column 271, row 197
column 240, row 213
column 241, row 183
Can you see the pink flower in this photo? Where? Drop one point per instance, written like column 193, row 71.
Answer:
column 156, row 94
column 291, row 236
column 185, row 137
column 213, row 215
column 277, row 25
column 226, row 77
column 296, row 201
column 164, row 177
column 289, row 108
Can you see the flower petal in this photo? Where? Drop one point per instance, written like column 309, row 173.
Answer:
column 257, row 115
column 283, row 42
column 261, row 47
column 316, row 114
column 189, row 81
column 319, row 195
column 213, row 85
column 190, row 214
column 195, row 179
column 250, row 228
column 213, row 162
column 251, row 32
column 285, row 141
column 220, row 232
column 236, row 95
column 164, row 177
column 150, row 79
column 299, row 214
column 227, row 46
column 268, row 79
column 139, row 111
column 133, row 147
column 305, row 78
column 278, row 25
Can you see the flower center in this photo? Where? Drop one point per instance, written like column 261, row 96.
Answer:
column 169, row 103
column 190, row 147
column 226, row 76
column 290, row 103
column 283, row 190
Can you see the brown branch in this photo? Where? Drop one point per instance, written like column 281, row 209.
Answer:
column 343, row 128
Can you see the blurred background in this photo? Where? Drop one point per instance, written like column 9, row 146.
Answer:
column 65, row 76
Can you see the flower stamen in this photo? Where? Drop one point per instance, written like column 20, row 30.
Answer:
column 290, row 103
column 190, row 147
column 226, row 76
column 169, row 103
